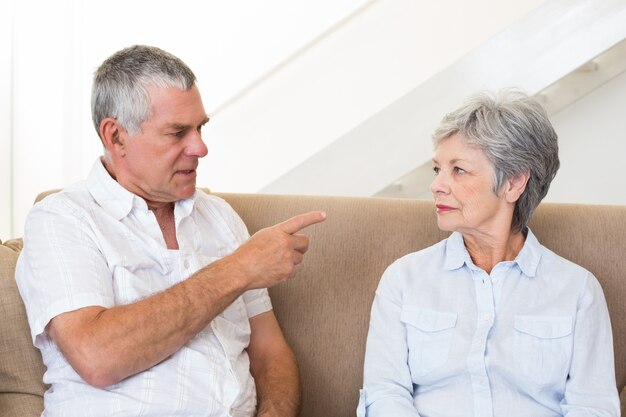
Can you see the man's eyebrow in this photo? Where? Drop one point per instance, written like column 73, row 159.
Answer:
column 182, row 126
column 177, row 126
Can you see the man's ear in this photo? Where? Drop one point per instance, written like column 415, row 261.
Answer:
column 113, row 137
column 515, row 186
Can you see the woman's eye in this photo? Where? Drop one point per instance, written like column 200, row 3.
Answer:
column 436, row 170
column 459, row 170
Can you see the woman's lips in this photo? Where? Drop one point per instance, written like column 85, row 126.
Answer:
column 442, row 208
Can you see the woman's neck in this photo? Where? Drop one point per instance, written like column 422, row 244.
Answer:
column 487, row 251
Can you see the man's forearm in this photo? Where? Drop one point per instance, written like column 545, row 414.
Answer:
column 278, row 388
column 274, row 368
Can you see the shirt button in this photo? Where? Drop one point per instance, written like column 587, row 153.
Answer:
column 486, row 317
column 186, row 263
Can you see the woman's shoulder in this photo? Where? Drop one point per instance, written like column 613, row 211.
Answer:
column 553, row 264
column 548, row 260
column 563, row 274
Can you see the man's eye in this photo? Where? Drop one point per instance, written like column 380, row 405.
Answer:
column 436, row 170
column 459, row 170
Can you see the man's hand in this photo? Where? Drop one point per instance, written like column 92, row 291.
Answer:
column 270, row 256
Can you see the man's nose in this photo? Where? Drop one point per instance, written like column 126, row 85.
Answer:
column 196, row 147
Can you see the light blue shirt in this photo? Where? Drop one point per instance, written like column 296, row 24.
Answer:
column 532, row 339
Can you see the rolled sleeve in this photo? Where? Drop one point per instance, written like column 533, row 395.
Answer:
column 391, row 406
column 591, row 387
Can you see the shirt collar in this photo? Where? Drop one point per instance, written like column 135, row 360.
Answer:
column 118, row 201
column 456, row 253
column 527, row 259
column 183, row 208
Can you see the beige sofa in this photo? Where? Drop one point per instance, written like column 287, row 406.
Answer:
column 324, row 311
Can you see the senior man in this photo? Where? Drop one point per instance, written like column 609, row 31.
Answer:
column 145, row 296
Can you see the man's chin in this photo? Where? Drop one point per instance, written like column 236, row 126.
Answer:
column 187, row 193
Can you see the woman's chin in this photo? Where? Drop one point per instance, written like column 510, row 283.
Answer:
column 445, row 226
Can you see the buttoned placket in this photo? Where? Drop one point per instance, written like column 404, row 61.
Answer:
column 228, row 402
column 488, row 291
column 476, row 359
column 188, row 265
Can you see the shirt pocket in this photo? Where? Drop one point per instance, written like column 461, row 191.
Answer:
column 543, row 346
column 429, row 337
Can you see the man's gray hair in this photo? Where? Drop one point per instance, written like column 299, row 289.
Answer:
column 514, row 132
column 119, row 85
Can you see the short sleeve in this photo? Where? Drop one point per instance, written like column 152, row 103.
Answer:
column 60, row 268
column 257, row 302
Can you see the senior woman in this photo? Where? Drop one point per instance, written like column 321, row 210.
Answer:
column 489, row 322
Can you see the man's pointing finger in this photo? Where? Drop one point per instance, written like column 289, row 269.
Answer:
column 299, row 222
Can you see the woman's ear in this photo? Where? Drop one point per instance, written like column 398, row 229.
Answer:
column 112, row 136
column 515, row 186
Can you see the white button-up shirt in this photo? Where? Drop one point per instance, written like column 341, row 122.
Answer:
column 532, row 338
column 97, row 244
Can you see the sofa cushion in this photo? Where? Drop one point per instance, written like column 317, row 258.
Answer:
column 21, row 367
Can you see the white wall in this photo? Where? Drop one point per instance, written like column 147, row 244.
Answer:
column 592, row 147
column 276, row 96
column 532, row 54
column 379, row 49
column 383, row 53
column 46, row 127
column 6, row 152
column 43, row 93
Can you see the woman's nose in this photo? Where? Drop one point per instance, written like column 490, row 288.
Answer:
column 439, row 184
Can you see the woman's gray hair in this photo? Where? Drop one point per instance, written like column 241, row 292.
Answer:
column 119, row 85
column 514, row 132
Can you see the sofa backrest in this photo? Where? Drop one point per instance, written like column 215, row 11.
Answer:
column 324, row 310
column 21, row 368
